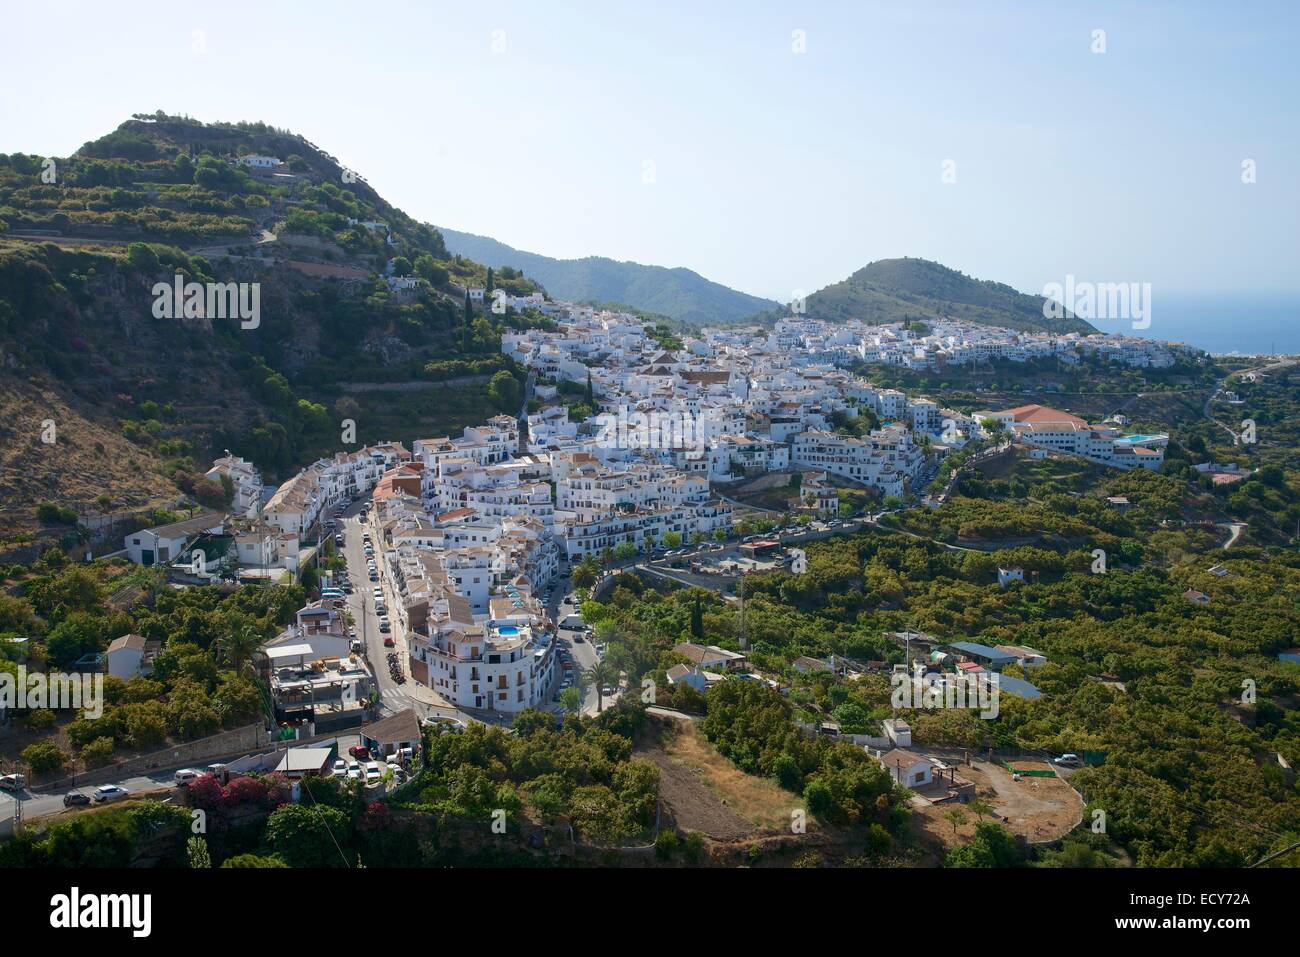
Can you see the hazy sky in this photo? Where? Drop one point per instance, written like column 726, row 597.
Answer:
column 772, row 170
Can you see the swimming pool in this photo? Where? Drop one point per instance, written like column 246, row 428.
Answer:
column 508, row 631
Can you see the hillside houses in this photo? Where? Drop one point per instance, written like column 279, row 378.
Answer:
column 1043, row 427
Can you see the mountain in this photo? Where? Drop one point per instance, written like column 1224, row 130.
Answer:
column 676, row 293
column 107, row 405
column 899, row 290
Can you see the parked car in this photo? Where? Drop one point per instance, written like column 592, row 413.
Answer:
column 110, row 792
column 13, row 782
column 340, row 768
column 388, row 642
column 75, row 799
column 1068, row 761
column 360, row 752
column 185, row 775
column 372, row 772
column 354, row 771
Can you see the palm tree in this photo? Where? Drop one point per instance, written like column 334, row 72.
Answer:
column 601, row 674
column 240, row 646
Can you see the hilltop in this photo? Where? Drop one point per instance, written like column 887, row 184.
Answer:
column 902, row 290
column 353, row 291
column 679, row 293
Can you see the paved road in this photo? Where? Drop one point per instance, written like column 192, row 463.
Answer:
column 583, row 653
column 40, row 804
column 361, row 604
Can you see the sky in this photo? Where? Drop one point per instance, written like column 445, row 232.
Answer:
column 772, row 147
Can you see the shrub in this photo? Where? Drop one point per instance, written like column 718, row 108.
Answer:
column 98, row 752
column 44, row 757
column 42, row 719
column 666, row 844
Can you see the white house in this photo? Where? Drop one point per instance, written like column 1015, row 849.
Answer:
column 253, row 161
column 125, row 657
column 908, row 769
column 1008, row 575
column 898, row 731
column 166, row 543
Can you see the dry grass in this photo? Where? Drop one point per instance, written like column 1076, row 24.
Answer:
column 88, row 459
column 703, row 791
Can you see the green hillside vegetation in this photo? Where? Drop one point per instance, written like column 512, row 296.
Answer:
column 160, row 196
column 678, row 294
column 1190, row 776
column 917, row 290
column 203, row 681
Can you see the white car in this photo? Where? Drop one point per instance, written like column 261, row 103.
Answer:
column 185, row 775
column 109, row 792
column 340, row 768
column 373, row 773
column 1068, row 761
column 13, row 782
column 354, row 771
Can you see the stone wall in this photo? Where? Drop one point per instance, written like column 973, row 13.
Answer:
column 201, row 751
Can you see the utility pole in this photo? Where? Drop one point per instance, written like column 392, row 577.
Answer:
column 18, row 805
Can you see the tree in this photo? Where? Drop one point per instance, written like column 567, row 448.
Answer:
column 98, row 752
column 584, row 575
column 956, row 817
column 589, row 396
column 504, row 391
column 431, row 271
column 401, row 266
column 253, row 860
column 571, row 699
column 142, row 257
column 347, row 408
column 43, row 757
column 196, row 849
column 993, row 846
column 602, row 674
column 697, row 620
column 308, row 836
column 469, row 322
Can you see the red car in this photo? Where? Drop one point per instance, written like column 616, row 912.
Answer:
column 360, row 752
column 388, row 642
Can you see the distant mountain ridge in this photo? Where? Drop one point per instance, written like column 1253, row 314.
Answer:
column 677, row 293
column 900, row 290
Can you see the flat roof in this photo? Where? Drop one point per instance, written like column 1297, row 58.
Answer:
column 289, row 651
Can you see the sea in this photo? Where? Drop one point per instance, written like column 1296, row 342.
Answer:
column 1222, row 324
